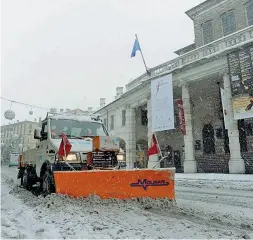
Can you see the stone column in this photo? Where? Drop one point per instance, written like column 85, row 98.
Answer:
column 236, row 163
column 131, row 137
column 190, row 165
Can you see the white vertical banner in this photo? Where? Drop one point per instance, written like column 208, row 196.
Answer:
column 162, row 103
column 224, row 107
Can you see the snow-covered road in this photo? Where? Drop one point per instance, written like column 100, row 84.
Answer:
column 208, row 206
column 17, row 219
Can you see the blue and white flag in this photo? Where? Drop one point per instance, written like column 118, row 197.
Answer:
column 136, row 47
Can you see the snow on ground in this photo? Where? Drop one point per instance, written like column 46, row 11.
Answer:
column 215, row 180
column 199, row 213
column 18, row 221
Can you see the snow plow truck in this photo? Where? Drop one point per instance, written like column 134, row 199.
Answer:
column 94, row 164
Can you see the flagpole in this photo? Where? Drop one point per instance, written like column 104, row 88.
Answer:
column 158, row 145
column 65, row 156
column 148, row 72
column 64, row 148
column 162, row 157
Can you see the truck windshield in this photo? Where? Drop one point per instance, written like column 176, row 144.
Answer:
column 76, row 129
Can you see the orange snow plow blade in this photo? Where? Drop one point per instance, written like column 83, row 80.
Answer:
column 121, row 184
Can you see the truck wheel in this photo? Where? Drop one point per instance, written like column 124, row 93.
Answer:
column 48, row 183
column 26, row 180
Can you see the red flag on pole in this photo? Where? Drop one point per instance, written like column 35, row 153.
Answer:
column 154, row 147
column 65, row 146
column 181, row 116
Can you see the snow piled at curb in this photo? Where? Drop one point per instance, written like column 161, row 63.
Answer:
column 215, row 180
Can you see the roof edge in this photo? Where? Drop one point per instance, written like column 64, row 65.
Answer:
column 190, row 47
column 193, row 12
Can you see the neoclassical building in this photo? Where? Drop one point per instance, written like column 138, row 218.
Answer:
column 213, row 142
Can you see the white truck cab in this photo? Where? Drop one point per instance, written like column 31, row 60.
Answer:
column 80, row 130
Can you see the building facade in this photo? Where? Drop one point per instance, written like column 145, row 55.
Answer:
column 200, row 70
column 24, row 132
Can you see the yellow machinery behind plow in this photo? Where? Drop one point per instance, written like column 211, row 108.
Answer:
column 93, row 165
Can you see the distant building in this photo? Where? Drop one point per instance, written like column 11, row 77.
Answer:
column 24, row 130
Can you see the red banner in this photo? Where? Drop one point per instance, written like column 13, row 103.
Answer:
column 181, row 116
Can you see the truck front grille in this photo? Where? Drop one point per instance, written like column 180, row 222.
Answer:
column 104, row 159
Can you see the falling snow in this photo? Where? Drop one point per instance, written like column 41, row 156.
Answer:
column 207, row 206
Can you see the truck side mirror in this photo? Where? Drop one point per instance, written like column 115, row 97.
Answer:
column 37, row 134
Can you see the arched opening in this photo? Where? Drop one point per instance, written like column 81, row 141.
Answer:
column 208, row 139
column 169, row 154
column 177, row 161
column 242, row 135
column 122, row 144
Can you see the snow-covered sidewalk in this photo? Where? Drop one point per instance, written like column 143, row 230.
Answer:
column 198, row 214
column 216, row 180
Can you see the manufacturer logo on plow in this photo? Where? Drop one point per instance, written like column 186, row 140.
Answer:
column 149, row 183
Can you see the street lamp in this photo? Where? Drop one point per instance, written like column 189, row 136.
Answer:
column 9, row 114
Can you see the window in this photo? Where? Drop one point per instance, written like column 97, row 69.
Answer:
column 123, row 117
column 105, row 122
column 228, row 22
column 30, row 126
column 112, row 122
column 44, row 127
column 249, row 10
column 144, row 117
column 207, row 30
column 44, row 131
column 176, row 119
column 76, row 129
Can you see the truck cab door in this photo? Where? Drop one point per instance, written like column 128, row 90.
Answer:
column 42, row 148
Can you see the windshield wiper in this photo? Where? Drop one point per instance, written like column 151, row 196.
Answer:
column 69, row 136
column 60, row 135
column 76, row 137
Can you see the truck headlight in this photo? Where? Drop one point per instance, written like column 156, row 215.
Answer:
column 71, row 157
column 121, row 157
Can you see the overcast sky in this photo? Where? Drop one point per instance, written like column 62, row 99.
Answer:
column 69, row 53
